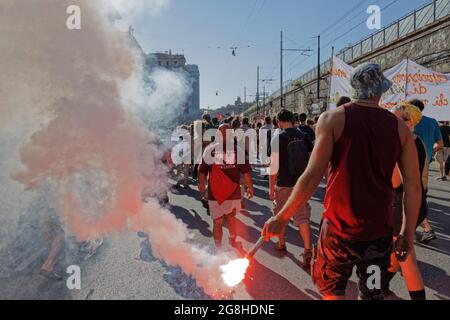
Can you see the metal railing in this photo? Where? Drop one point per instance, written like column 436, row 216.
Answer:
column 413, row 21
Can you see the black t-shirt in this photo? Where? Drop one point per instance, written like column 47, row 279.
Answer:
column 307, row 129
column 284, row 178
column 421, row 153
column 445, row 130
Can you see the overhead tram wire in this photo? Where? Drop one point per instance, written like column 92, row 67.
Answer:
column 249, row 18
column 202, row 46
column 289, row 71
column 271, row 74
column 276, row 67
column 246, row 21
column 297, row 61
column 341, row 24
column 247, row 25
column 300, row 59
column 323, row 33
column 347, row 32
column 298, row 44
column 260, row 9
column 339, row 20
column 357, row 25
column 293, row 64
column 333, row 25
column 311, row 39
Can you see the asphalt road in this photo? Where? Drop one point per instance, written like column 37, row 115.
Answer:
column 124, row 267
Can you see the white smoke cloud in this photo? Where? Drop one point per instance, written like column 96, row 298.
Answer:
column 70, row 132
column 161, row 100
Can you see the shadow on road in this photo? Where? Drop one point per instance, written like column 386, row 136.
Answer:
column 184, row 285
column 292, row 233
column 261, row 194
column 192, row 219
column 258, row 181
column 435, row 278
column 430, row 196
column 262, row 283
column 438, row 216
column 191, row 191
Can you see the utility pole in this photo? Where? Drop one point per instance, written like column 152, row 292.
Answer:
column 245, row 94
column 281, row 69
column 264, row 99
column 331, row 74
column 318, row 68
column 257, row 90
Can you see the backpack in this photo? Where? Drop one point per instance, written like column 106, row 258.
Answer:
column 297, row 155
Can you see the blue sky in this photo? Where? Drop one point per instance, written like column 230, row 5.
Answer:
column 197, row 27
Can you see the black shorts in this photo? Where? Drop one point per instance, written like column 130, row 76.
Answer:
column 397, row 212
column 336, row 257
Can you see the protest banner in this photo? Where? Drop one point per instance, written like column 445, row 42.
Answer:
column 339, row 81
column 410, row 81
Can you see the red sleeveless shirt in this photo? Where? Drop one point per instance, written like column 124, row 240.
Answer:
column 359, row 193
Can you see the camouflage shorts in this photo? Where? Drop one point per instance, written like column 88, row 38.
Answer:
column 336, row 258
